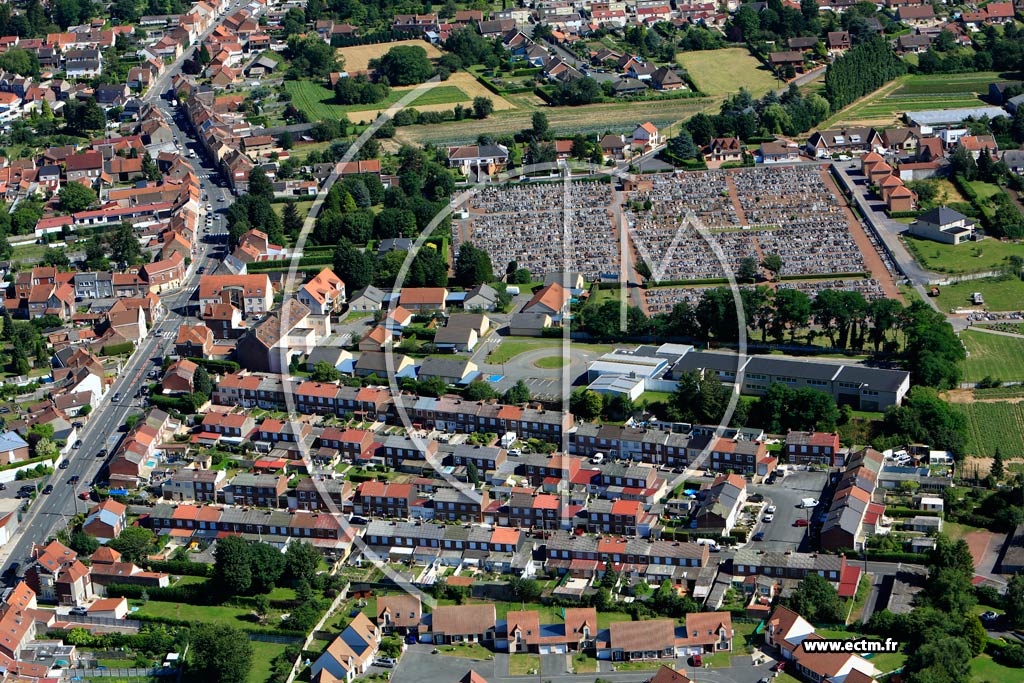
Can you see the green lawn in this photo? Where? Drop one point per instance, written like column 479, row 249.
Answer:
column 983, row 189
column 507, row 349
column 725, row 71
column 551, row 362
column 984, row 670
column 972, row 257
column 605, row 619
column 523, row 664
column 467, row 650
column 1000, row 293
column 318, row 101
column 302, row 207
column 582, row 664
column 655, row 396
column 639, row 665
column 262, row 655
column 218, row 614
column 993, row 355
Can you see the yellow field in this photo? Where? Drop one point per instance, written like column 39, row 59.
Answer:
column 357, row 57
column 465, row 82
column 725, row 71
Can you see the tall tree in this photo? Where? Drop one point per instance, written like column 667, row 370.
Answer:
column 220, row 654
column 472, row 266
column 232, row 568
column 259, row 184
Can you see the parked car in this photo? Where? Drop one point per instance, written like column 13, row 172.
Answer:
column 78, row 611
column 64, row 463
column 801, row 522
column 779, row 665
column 759, row 536
column 102, row 453
column 78, row 444
column 696, row 660
column 386, row 662
column 989, row 616
column 117, row 397
column 768, row 518
column 84, row 495
column 770, row 509
column 48, row 490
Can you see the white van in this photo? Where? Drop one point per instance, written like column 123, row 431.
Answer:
column 808, row 503
column 711, row 543
column 598, row 458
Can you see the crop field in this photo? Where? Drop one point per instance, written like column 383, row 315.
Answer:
column 593, row 119
column 357, row 57
column 725, row 71
column 991, row 425
column 993, row 355
column 917, row 93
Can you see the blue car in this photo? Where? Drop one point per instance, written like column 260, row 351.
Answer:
column 759, row 536
column 411, row 640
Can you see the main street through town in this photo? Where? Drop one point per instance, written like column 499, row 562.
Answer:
column 49, row 513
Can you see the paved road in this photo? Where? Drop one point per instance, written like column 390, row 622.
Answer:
column 785, row 494
column 417, row 664
column 163, row 81
column 49, row 513
column 889, row 230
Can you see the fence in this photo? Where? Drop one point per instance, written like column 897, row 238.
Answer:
column 296, row 667
column 134, row 672
column 105, row 621
column 272, row 638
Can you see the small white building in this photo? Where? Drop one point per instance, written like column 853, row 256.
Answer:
column 931, row 504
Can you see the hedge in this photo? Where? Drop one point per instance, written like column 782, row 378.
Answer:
column 905, row 214
column 899, row 511
column 192, row 593
column 30, row 461
column 181, row 568
column 220, row 367
column 178, row 403
column 118, row 349
column 879, row 556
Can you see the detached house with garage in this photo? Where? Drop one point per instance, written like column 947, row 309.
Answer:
column 463, row 624
column 399, row 613
column 350, row 654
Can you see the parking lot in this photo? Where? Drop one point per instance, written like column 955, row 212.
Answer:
column 786, row 494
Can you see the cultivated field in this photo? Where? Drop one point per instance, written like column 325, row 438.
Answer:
column 725, row 71
column 972, row 257
column 993, row 355
column 993, row 424
column 357, row 57
column 916, row 93
column 593, row 119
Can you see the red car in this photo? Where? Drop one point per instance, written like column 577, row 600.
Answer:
column 801, row 522
column 696, row 660
column 84, row 495
column 779, row 665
